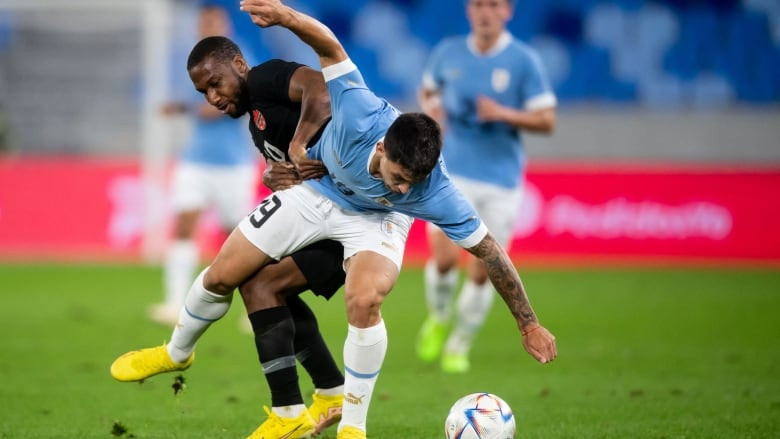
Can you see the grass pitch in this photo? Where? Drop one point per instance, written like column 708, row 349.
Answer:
column 642, row 354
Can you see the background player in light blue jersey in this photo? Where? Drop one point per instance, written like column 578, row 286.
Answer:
column 484, row 88
column 215, row 169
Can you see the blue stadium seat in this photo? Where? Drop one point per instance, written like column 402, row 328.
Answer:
column 698, row 46
column 590, row 77
column 529, row 18
column 687, row 39
column 564, row 24
column 630, row 5
column 750, row 64
column 366, row 59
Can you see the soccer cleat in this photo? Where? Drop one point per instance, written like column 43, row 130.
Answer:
column 431, row 339
column 164, row 314
column 351, row 433
column 277, row 427
column 326, row 411
column 144, row 363
column 455, row 363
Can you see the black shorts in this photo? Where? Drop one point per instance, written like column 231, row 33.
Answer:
column 322, row 264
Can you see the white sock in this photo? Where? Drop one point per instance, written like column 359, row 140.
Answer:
column 474, row 303
column 181, row 261
column 439, row 289
column 289, row 411
column 201, row 309
column 364, row 352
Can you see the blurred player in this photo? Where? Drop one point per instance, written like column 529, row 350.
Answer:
column 381, row 165
column 484, row 88
column 216, row 168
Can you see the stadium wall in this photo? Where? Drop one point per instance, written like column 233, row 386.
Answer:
column 591, row 212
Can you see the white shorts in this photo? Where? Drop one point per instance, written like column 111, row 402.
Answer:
column 289, row 220
column 497, row 206
column 229, row 189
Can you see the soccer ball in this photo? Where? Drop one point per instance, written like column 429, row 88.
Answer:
column 480, row 416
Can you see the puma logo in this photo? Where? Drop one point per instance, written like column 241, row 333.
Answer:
column 354, row 399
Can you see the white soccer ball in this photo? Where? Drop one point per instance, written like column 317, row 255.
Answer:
column 480, row 416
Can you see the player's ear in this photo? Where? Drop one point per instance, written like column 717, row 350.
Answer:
column 239, row 63
column 380, row 147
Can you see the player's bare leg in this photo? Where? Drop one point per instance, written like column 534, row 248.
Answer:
column 441, row 277
column 181, row 261
column 370, row 277
column 474, row 302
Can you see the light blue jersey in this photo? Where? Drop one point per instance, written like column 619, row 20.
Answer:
column 360, row 120
column 512, row 75
column 222, row 141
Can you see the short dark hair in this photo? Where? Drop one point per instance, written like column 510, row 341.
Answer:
column 219, row 48
column 414, row 142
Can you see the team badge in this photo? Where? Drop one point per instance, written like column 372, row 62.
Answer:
column 258, row 119
column 500, row 80
column 387, row 227
column 383, row 201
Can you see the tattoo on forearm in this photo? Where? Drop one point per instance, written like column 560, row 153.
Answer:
column 505, row 279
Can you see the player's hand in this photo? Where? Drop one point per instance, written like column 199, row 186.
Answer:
column 488, row 110
column 540, row 343
column 306, row 167
column 430, row 104
column 280, row 175
column 264, row 13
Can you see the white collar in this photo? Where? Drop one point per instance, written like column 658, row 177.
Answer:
column 503, row 40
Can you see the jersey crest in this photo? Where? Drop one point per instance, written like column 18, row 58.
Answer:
column 500, row 80
column 384, row 201
column 258, row 119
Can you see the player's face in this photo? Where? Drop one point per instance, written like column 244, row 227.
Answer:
column 488, row 18
column 222, row 86
column 395, row 176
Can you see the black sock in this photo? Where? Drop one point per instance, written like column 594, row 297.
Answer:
column 274, row 334
column 310, row 348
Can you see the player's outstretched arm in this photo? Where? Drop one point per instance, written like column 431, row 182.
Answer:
column 266, row 13
column 537, row 340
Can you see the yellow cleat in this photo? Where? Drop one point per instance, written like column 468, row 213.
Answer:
column 326, row 411
column 277, row 427
column 144, row 363
column 351, row 433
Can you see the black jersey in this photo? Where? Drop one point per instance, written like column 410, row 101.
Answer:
column 273, row 117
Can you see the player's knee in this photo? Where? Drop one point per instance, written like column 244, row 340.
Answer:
column 477, row 272
column 364, row 303
column 216, row 283
column 445, row 264
column 261, row 292
column 186, row 224
column 479, row 277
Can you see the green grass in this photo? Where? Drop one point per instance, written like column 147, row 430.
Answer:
column 642, row 353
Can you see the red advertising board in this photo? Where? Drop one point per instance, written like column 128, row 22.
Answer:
column 90, row 209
